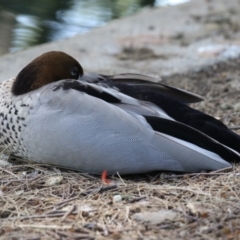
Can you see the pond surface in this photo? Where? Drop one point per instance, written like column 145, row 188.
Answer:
column 27, row 23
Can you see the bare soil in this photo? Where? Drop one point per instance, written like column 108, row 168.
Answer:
column 44, row 202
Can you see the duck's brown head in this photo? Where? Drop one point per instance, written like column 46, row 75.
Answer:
column 49, row 67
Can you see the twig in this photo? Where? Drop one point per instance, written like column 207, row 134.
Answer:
column 99, row 190
column 214, row 173
column 68, row 212
column 136, row 199
column 102, row 189
column 121, row 179
column 106, row 188
column 27, row 182
column 152, row 180
column 223, row 170
column 6, row 149
column 193, row 175
column 65, row 227
column 235, row 128
column 66, row 201
column 11, row 173
column 59, row 214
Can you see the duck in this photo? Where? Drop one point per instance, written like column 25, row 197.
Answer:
column 54, row 113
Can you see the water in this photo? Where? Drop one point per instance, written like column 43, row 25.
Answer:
column 27, row 23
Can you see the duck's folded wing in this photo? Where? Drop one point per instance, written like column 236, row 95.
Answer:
column 193, row 136
column 201, row 121
column 141, row 87
column 182, row 134
column 170, row 106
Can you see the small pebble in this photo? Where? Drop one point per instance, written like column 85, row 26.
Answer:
column 117, row 198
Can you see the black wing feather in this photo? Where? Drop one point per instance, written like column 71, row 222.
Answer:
column 191, row 135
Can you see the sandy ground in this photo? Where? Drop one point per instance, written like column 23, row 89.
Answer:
column 43, row 202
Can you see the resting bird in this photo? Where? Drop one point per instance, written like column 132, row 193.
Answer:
column 53, row 113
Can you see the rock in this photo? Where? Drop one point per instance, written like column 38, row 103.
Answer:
column 155, row 217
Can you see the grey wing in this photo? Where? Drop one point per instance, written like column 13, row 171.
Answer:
column 78, row 129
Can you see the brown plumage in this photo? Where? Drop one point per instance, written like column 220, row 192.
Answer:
column 55, row 66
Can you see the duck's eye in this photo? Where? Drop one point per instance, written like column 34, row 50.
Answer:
column 74, row 72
